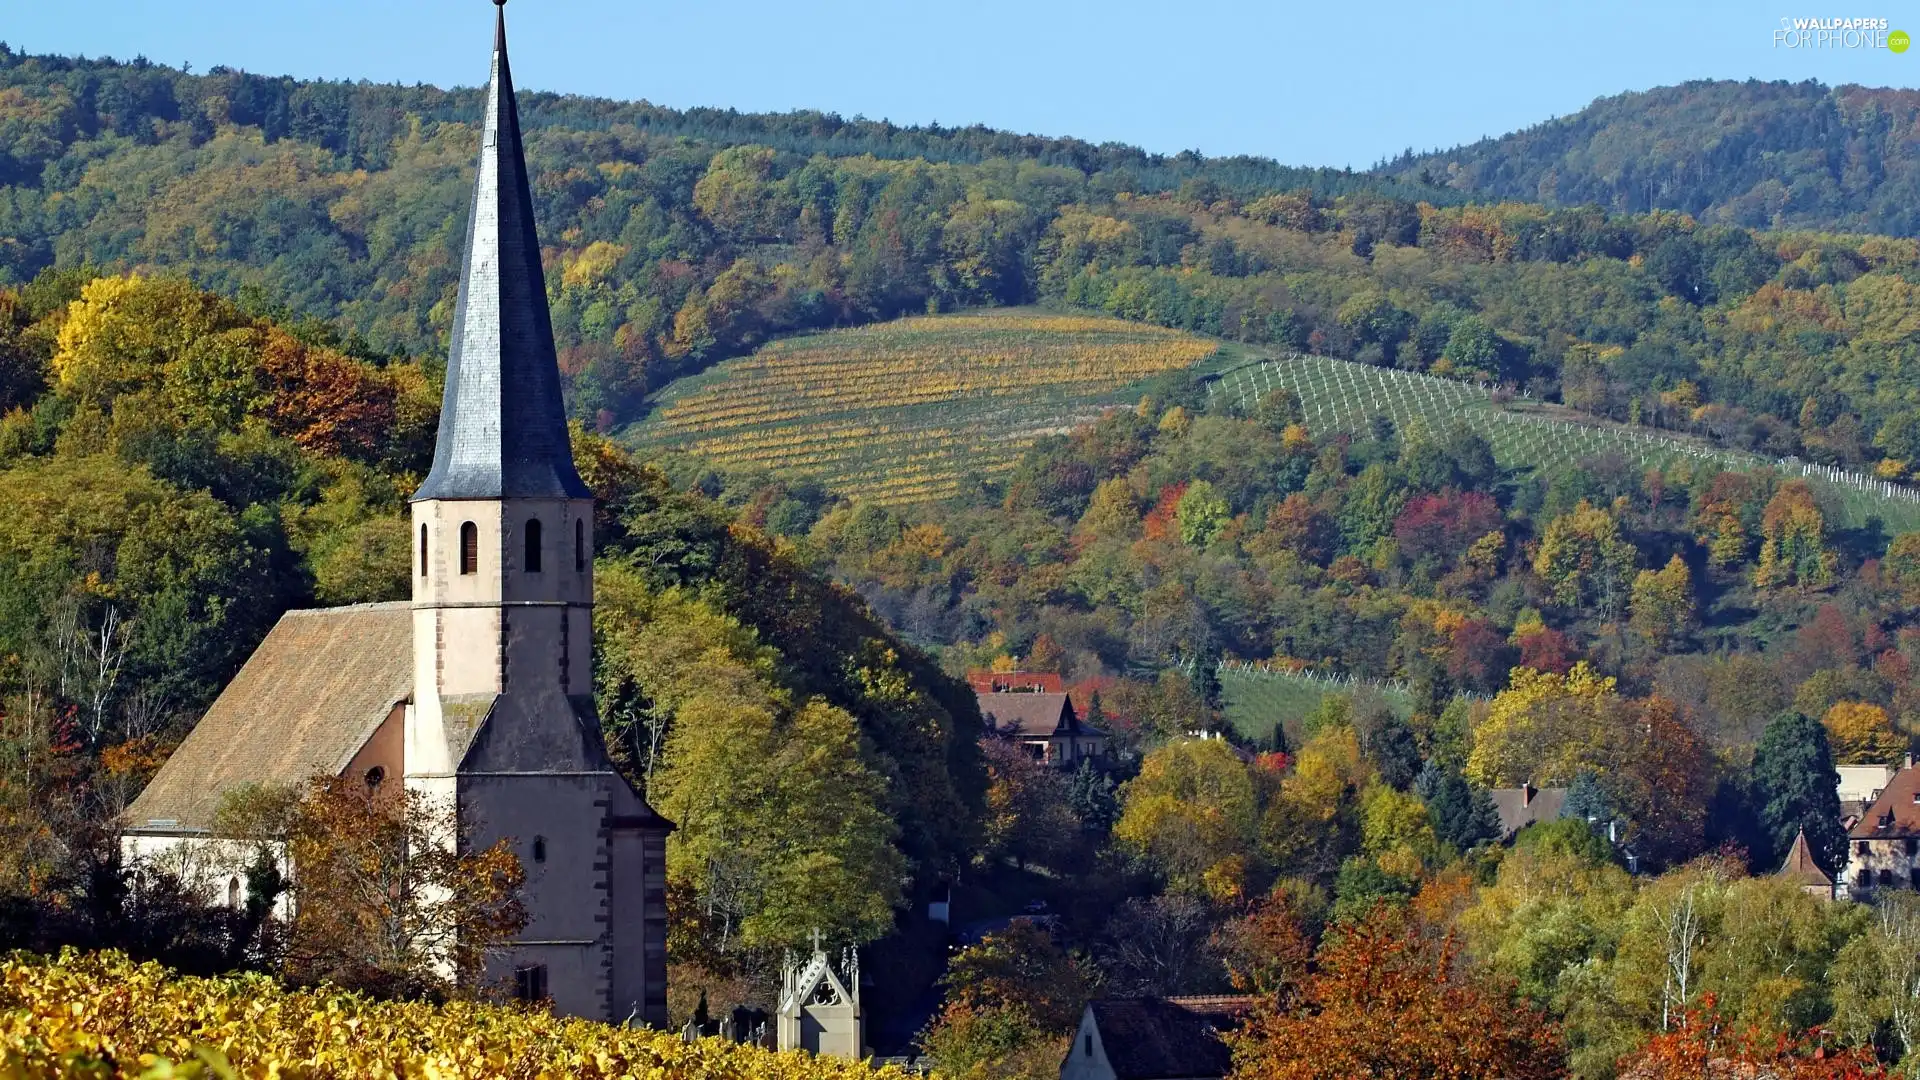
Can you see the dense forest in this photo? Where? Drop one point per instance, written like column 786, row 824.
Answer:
column 677, row 239
column 1766, row 155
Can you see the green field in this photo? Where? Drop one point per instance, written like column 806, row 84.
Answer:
column 902, row 411
column 1254, row 699
column 1339, row 395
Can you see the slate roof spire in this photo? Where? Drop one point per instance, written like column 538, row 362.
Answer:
column 503, row 429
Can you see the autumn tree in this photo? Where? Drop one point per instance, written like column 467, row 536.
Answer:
column 1861, row 734
column 1029, row 815
column 1586, row 561
column 1662, row 606
column 1011, row 1002
column 1192, row 812
column 1705, row 1046
column 1384, row 1000
column 1793, row 546
column 1544, row 728
column 386, row 899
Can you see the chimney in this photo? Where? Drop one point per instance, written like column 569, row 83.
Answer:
column 1527, row 791
column 1908, row 763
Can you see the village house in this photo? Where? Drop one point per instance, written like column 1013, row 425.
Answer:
column 1046, row 724
column 1883, row 846
column 478, row 692
column 1523, row 806
column 1176, row 1038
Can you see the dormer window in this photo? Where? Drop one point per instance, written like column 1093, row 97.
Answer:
column 469, row 548
column 533, row 546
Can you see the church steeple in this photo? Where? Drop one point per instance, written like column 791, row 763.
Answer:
column 503, row 430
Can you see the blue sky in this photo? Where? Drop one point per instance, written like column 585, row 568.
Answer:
column 1309, row 84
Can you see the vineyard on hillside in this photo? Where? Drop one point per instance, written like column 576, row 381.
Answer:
column 101, row 1015
column 1340, row 395
column 903, row 411
column 1254, row 698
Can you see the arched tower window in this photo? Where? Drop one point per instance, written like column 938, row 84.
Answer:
column 469, row 548
column 533, row 546
column 233, row 892
column 423, row 549
column 579, row 545
column 539, row 849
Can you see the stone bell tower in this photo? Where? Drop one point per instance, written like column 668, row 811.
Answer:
column 503, row 719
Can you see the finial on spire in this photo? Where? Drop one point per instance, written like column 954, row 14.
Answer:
column 499, row 3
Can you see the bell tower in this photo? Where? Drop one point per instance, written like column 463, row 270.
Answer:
column 503, row 720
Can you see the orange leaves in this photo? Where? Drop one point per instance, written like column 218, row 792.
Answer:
column 324, row 401
column 1705, row 1047
column 1384, row 1001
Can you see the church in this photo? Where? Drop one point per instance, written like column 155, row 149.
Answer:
column 479, row 689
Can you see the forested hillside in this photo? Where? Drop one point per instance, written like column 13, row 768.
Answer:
column 1764, row 155
column 674, row 240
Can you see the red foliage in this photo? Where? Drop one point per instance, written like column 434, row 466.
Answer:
column 1478, row 656
column 1826, row 642
column 1160, row 523
column 1704, row 1048
column 1444, row 525
column 1548, row 650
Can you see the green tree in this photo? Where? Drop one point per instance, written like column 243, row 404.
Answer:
column 1202, row 513
column 1794, row 789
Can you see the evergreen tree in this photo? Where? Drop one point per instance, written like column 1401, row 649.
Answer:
column 1090, row 795
column 1794, row 788
column 1462, row 814
column 1389, row 743
column 1587, row 800
column 1278, row 742
column 1206, row 674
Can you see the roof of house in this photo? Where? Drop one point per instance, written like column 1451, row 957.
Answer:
column 305, row 702
column 1165, row 1038
column 993, row 682
column 1031, row 714
column 1800, row 866
column 503, row 429
column 1522, row 806
column 1896, row 813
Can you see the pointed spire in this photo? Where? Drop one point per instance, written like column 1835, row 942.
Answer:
column 503, row 429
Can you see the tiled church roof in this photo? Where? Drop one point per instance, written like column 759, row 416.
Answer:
column 305, row 703
column 503, row 429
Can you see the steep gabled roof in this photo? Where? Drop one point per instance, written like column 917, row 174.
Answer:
column 1800, row 866
column 1896, row 813
column 304, row 703
column 1167, row 1038
column 1522, row 806
column 1029, row 714
column 503, row 428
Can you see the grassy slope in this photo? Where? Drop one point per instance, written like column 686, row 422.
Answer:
column 903, row 411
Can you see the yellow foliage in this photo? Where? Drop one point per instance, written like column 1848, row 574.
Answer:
column 1541, row 729
column 102, row 1015
column 1861, row 734
column 592, row 265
